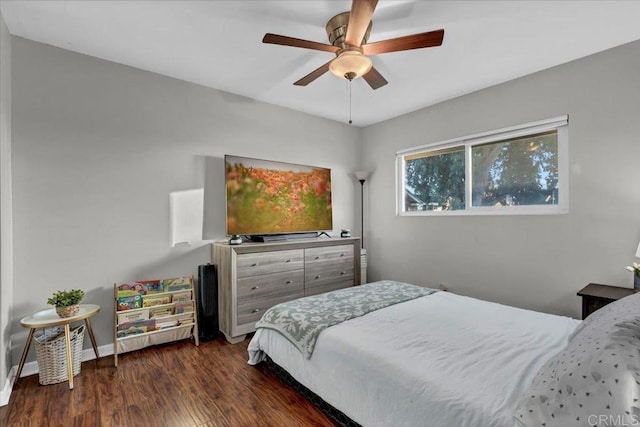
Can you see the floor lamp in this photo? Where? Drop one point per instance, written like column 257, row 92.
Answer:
column 362, row 177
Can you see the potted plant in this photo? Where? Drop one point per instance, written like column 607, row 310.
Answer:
column 67, row 302
column 635, row 269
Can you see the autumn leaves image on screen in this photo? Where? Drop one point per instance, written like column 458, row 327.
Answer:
column 264, row 200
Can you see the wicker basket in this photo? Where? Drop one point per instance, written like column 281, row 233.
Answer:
column 52, row 355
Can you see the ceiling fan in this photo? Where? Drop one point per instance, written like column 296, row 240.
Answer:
column 348, row 33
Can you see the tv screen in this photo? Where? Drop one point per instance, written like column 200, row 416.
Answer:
column 267, row 197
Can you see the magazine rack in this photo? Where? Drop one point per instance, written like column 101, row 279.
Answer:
column 153, row 312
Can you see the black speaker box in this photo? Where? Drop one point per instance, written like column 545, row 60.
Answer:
column 208, row 302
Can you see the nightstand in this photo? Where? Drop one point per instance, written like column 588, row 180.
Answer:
column 595, row 296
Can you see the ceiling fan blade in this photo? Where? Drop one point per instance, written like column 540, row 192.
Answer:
column 359, row 18
column 294, row 42
column 313, row 75
column 375, row 79
column 414, row 41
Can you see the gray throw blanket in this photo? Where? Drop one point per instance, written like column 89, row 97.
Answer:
column 302, row 320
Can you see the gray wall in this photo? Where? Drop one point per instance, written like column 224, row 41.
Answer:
column 6, row 244
column 99, row 146
column 536, row 262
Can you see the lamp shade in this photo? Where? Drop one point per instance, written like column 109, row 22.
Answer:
column 638, row 251
column 363, row 175
column 350, row 64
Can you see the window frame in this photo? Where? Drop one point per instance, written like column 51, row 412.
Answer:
column 559, row 124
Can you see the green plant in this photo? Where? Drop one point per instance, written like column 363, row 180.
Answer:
column 66, row 298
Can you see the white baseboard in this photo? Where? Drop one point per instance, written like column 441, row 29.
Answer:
column 5, row 394
column 31, row 368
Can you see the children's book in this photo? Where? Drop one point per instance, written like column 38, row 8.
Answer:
column 181, row 296
column 177, row 284
column 131, row 288
column 152, row 286
column 151, row 300
column 137, row 327
column 184, row 307
column 126, row 317
column 161, row 311
column 166, row 323
column 129, row 302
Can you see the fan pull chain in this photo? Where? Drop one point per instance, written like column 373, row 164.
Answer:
column 349, row 101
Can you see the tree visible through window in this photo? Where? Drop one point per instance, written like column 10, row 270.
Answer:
column 516, row 167
column 436, row 180
column 522, row 171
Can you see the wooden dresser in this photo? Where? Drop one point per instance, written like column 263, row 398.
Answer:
column 253, row 277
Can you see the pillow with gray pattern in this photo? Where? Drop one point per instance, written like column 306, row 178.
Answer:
column 595, row 380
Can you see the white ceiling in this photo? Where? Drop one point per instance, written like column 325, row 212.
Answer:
column 218, row 44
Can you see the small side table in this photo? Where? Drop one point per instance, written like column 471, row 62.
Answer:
column 595, row 296
column 49, row 318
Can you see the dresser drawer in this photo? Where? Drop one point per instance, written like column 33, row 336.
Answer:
column 314, row 290
column 270, row 284
column 269, row 262
column 328, row 254
column 250, row 310
column 254, row 277
column 320, row 276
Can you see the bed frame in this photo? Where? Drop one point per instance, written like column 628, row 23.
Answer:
column 338, row 418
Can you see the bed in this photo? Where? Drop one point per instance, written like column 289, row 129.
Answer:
column 442, row 359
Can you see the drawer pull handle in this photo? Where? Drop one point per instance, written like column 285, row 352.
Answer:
column 288, row 282
column 342, row 273
column 255, row 310
column 255, row 287
column 289, row 260
column 317, row 257
column 318, row 276
column 255, row 264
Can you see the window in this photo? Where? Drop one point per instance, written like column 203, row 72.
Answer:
column 434, row 180
column 518, row 170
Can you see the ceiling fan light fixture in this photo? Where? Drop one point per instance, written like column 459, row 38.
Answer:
column 348, row 34
column 350, row 64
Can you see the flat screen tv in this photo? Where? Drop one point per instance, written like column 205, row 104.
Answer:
column 266, row 197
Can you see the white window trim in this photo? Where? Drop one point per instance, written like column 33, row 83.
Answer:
column 560, row 124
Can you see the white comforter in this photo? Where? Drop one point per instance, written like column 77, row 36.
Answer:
column 440, row 360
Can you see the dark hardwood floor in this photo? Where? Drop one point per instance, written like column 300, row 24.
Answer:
column 171, row 385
